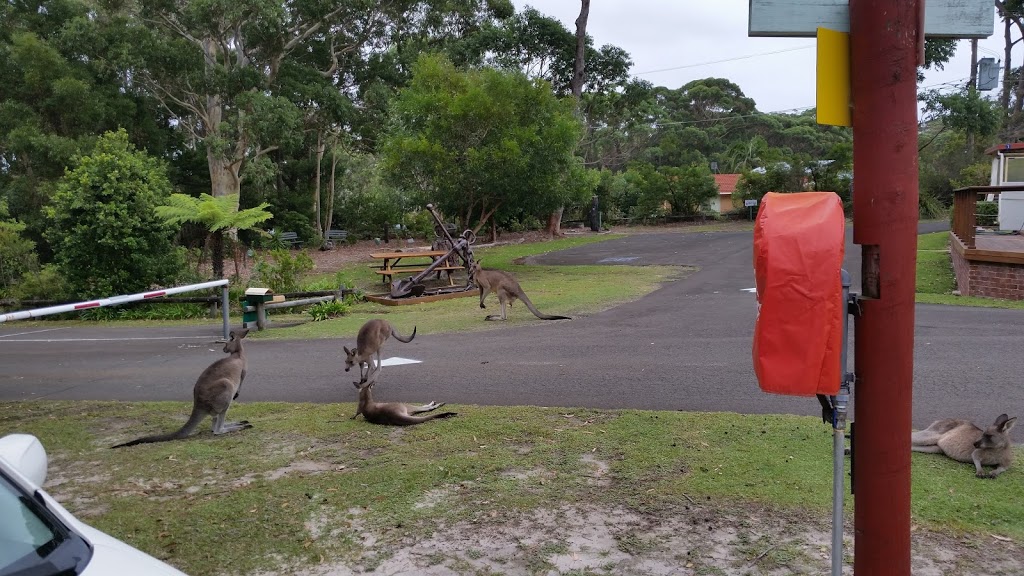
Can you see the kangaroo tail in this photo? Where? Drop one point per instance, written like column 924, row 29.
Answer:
column 400, row 338
column 193, row 421
column 410, row 420
column 522, row 296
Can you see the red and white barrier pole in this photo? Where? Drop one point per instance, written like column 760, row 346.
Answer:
column 114, row 300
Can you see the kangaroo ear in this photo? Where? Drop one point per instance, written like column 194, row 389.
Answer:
column 347, row 352
column 1008, row 425
column 1000, row 420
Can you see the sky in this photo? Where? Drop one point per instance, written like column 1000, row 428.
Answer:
column 672, row 42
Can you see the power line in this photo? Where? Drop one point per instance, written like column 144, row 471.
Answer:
column 725, row 60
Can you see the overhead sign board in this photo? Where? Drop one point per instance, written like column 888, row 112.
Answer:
column 802, row 18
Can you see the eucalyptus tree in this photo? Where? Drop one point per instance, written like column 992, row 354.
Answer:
column 216, row 65
column 480, row 141
column 56, row 97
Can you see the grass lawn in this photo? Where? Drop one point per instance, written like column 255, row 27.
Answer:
column 564, row 290
column 935, row 278
column 513, row 490
column 308, row 486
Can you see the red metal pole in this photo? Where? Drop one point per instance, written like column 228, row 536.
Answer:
column 883, row 46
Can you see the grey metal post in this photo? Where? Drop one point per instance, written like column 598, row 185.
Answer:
column 839, row 435
column 224, row 310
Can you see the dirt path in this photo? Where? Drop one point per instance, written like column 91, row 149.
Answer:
column 698, row 539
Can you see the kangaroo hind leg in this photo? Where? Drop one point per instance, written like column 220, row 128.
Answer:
column 425, row 408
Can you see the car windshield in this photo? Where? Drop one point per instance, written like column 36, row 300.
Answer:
column 32, row 541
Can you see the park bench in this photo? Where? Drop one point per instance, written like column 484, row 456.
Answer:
column 335, row 237
column 291, row 239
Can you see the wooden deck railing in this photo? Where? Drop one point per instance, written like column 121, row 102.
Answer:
column 965, row 202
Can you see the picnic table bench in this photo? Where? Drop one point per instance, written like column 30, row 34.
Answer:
column 390, row 263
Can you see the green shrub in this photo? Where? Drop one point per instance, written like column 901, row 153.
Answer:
column 46, row 284
column 282, row 272
column 106, row 236
column 986, row 213
column 328, row 310
column 329, row 283
column 151, row 311
column 17, row 254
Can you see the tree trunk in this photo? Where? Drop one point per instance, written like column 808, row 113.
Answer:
column 578, row 78
column 494, row 230
column 1004, row 98
column 316, row 185
column 579, row 65
column 224, row 175
column 217, row 253
column 330, row 200
column 972, row 87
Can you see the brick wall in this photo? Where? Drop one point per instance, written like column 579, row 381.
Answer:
column 988, row 279
column 962, row 270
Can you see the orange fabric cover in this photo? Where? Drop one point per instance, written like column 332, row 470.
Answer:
column 799, row 241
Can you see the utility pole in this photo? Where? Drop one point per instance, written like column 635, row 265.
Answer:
column 886, row 39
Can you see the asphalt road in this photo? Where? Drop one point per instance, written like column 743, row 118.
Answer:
column 686, row 346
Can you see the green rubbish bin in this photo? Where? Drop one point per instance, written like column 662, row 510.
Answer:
column 253, row 298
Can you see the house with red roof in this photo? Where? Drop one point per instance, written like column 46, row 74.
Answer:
column 726, row 186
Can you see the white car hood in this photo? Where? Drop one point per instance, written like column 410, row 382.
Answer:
column 111, row 557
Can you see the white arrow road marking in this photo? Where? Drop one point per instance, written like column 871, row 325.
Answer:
column 396, row 361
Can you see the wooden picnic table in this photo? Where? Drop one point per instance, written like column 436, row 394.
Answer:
column 390, row 263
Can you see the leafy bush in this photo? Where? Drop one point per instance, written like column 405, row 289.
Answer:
column 328, row 310
column 329, row 283
column 17, row 254
column 106, row 236
column 146, row 312
column 46, row 284
column 986, row 213
column 420, row 224
column 282, row 272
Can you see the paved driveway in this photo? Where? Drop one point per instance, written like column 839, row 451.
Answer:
column 684, row 347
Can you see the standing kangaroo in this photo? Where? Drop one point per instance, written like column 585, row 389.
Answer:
column 508, row 290
column 369, row 341
column 216, row 387
column 393, row 413
column 964, row 442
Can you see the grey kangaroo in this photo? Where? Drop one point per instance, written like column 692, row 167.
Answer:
column 369, row 341
column 508, row 290
column 216, row 387
column 964, row 442
column 393, row 413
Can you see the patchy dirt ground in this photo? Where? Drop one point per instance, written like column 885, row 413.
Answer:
column 700, row 540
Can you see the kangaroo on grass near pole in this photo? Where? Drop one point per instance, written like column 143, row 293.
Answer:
column 392, row 413
column 508, row 290
column 369, row 341
column 964, row 442
column 216, row 387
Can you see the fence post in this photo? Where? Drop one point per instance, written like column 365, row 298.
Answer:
column 224, row 310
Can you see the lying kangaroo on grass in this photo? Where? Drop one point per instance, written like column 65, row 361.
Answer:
column 508, row 290
column 964, row 442
column 392, row 413
column 369, row 341
column 216, row 387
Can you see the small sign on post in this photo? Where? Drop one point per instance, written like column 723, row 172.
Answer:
column 750, row 204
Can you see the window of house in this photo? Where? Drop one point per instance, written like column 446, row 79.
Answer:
column 1013, row 169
